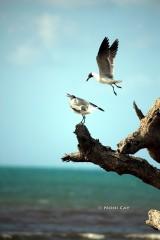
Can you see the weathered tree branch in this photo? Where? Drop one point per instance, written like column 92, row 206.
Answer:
column 138, row 111
column 91, row 150
column 147, row 136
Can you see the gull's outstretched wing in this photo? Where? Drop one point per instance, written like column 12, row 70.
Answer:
column 104, row 65
column 105, row 57
column 113, row 50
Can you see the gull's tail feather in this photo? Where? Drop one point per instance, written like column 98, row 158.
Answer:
column 117, row 81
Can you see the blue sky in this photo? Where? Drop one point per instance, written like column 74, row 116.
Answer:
column 48, row 47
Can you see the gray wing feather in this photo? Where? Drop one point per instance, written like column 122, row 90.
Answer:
column 105, row 57
column 113, row 50
column 81, row 101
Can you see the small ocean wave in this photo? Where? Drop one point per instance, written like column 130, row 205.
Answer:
column 76, row 236
column 43, row 201
column 92, row 236
column 143, row 236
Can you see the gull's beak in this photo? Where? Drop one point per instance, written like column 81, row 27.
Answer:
column 89, row 76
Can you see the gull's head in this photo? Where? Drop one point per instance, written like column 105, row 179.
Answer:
column 90, row 75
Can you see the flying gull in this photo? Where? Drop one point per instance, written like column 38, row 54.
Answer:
column 82, row 106
column 105, row 59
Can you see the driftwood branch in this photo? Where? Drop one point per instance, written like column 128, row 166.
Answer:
column 154, row 219
column 138, row 111
column 147, row 135
column 91, row 150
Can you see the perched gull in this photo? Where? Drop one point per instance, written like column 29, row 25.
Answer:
column 82, row 106
column 105, row 58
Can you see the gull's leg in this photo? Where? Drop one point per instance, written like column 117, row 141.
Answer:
column 117, row 86
column 114, row 90
column 83, row 119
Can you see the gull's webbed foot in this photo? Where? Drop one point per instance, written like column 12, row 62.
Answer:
column 117, row 85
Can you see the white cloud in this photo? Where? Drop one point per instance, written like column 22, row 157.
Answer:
column 43, row 33
column 47, row 28
column 23, row 54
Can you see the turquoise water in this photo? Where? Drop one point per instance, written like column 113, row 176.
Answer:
column 66, row 204
column 59, row 188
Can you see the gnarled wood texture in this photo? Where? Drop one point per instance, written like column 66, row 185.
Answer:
column 154, row 219
column 147, row 135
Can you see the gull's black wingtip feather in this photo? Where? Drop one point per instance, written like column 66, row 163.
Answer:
column 134, row 103
column 117, row 41
column 101, row 109
column 94, row 105
column 104, row 46
column 106, row 39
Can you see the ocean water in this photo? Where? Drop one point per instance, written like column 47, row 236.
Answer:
column 74, row 204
